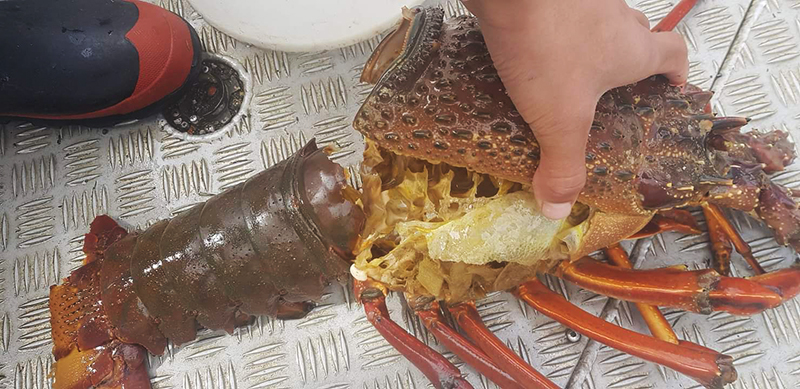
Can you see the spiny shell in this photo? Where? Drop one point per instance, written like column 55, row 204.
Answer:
column 442, row 101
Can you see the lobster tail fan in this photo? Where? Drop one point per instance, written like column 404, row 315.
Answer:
column 117, row 365
column 86, row 349
column 102, row 233
column 77, row 316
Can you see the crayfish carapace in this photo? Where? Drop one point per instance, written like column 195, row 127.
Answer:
column 445, row 215
column 450, row 214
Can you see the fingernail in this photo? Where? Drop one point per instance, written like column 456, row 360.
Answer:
column 681, row 86
column 556, row 211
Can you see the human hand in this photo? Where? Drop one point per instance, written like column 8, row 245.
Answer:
column 556, row 59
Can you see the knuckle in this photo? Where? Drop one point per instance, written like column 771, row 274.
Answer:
column 680, row 44
column 639, row 15
column 677, row 45
column 678, row 59
column 561, row 186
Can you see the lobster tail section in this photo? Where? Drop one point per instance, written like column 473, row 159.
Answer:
column 268, row 246
column 121, row 303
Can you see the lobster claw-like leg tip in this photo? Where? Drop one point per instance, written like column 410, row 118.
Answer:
column 729, row 374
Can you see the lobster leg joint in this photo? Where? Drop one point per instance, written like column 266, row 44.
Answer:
column 431, row 316
column 470, row 321
column 442, row 373
column 704, row 365
column 701, row 291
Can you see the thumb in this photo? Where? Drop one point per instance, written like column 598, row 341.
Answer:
column 561, row 173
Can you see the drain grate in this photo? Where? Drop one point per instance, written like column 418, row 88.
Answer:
column 210, row 103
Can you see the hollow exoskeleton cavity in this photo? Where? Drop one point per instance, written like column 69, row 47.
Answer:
column 437, row 230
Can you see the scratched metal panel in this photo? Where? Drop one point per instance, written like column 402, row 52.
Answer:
column 53, row 181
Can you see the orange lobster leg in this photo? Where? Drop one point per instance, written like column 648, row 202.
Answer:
column 675, row 16
column 470, row 321
column 658, row 324
column 721, row 247
column 722, row 234
column 674, row 220
column 442, row 373
column 433, row 320
column 702, row 291
column 704, row 365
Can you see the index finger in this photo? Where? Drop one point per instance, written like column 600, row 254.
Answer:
column 671, row 56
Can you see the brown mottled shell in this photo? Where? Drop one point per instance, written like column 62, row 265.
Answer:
column 445, row 102
column 442, row 101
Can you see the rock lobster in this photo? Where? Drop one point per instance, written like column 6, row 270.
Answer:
column 445, row 215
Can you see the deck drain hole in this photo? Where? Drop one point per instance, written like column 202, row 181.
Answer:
column 212, row 102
